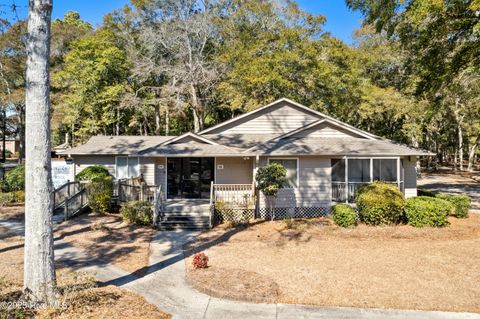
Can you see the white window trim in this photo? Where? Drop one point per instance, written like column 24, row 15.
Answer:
column 289, row 158
column 128, row 159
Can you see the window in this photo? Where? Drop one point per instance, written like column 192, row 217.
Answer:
column 358, row 170
column 127, row 167
column 292, row 170
column 385, row 170
column 338, row 170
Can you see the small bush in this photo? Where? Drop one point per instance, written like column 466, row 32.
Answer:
column 99, row 194
column 427, row 211
column 461, row 204
column 200, row 260
column 343, row 215
column 14, row 180
column 137, row 212
column 271, row 178
column 12, row 198
column 92, row 172
column 380, row 203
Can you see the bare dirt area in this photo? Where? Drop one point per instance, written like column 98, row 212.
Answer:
column 79, row 298
column 108, row 238
column 13, row 212
column 315, row 262
column 453, row 182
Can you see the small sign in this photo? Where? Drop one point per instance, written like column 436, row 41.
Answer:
column 160, row 166
column 61, row 172
column 220, row 166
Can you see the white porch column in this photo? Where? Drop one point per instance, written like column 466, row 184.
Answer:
column 398, row 172
column 346, row 179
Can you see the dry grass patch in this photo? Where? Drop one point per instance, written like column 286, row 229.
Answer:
column 78, row 294
column 14, row 212
column 315, row 262
column 108, row 238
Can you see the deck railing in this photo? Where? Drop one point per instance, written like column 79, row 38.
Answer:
column 63, row 192
column 128, row 192
column 232, row 202
column 75, row 204
column 233, row 194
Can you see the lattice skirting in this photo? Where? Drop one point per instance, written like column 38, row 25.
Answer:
column 293, row 212
column 235, row 215
column 243, row 215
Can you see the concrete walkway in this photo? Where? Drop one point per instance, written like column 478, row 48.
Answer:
column 165, row 286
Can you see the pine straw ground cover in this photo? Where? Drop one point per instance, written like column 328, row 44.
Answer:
column 315, row 262
column 80, row 298
column 108, row 238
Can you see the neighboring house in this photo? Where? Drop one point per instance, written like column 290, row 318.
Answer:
column 326, row 159
column 11, row 144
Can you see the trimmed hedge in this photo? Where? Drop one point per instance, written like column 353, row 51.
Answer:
column 92, row 172
column 380, row 203
column 99, row 194
column 137, row 212
column 461, row 204
column 343, row 215
column 427, row 211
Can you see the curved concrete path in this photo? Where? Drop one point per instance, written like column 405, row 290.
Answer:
column 164, row 285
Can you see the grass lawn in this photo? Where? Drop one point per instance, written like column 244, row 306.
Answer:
column 82, row 299
column 317, row 263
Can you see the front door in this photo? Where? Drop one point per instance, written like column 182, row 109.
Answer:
column 189, row 177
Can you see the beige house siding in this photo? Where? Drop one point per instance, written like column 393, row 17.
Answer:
column 160, row 171
column 327, row 130
column 410, row 176
column 280, row 118
column 234, row 170
column 314, row 184
column 147, row 168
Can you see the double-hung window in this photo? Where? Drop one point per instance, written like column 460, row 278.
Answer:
column 127, row 167
column 291, row 165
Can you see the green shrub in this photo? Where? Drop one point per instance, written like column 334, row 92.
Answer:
column 137, row 212
column 92, row 172
column 343, row 215
column 271, row 178
column 425, row 192
column 99, row 194
column 461, row 204
column 14, row 180
column 380, row 203
column 12, row 198
column 427, row 211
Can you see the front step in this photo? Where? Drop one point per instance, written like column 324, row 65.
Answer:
column 183, row 221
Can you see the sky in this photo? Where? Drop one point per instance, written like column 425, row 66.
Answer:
column 341, row 22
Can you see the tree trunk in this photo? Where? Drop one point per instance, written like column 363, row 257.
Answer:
column 157, row 119
column 460, row 146
column 197, row 112
column 471, row 154
column 117, row 122
column 39, row 269
column 4, row 136
column 167, row 122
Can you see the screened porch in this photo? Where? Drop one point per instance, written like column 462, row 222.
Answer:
column 350, row 173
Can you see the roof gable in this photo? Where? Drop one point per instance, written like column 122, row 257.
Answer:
column 326, row 128
column 279, row 117
column 188, row 138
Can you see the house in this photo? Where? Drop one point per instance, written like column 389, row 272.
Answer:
column 326, row 160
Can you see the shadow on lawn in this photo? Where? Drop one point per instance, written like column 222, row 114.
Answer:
column 180, row 253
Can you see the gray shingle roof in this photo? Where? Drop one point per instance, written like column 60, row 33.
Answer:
column 244, row 141
column 103, row 145
column 336, row 146
column 190, row 149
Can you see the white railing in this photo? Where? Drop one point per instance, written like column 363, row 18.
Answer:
column 233, row 194
column 158, row 205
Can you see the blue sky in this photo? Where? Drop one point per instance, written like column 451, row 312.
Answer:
column 340, row 21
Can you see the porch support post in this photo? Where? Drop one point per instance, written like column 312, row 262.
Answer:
column 371, row 170
column 346, row 179
column 398, row 172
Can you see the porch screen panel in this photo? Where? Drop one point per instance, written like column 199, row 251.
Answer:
column 291, row 167
column 338, row 170
column 385, row 170
column 122, row 167
column 133, row 167
column 358, row 170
